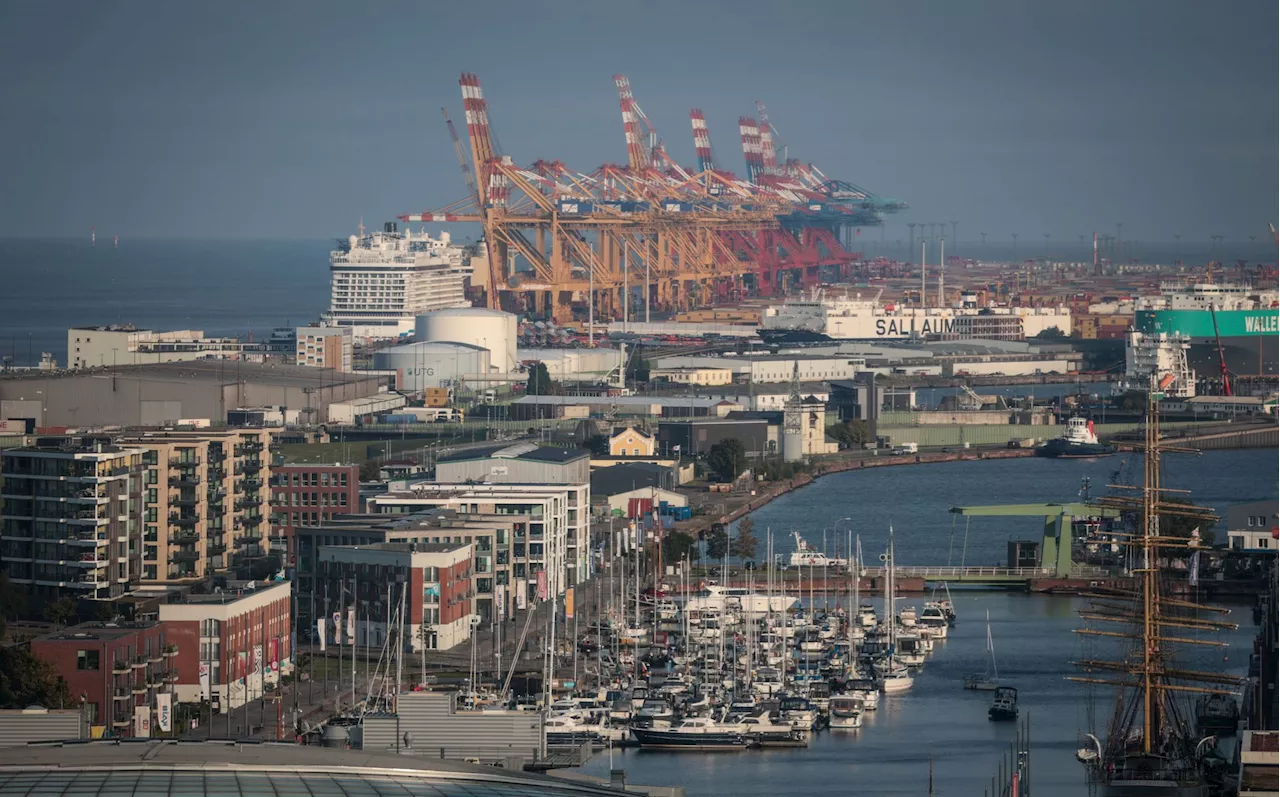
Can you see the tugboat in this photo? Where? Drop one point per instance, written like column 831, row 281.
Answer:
column 1004, row 708
column 1077, row 442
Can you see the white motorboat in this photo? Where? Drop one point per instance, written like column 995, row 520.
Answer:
column 805, row 555
column 989, row 680
column 933, row 618
column 866, row 690
column 907, row 617
column 867, row 617
column 753, row 605
column 846, row 712
column 897, row 679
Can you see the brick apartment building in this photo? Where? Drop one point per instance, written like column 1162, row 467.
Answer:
column 120, row 669
column 309, row 495
column 230, row 644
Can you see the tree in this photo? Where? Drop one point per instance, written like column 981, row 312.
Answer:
column 26, row 680
column 540, row 382
column 744, row 547
column 370, row 471
column 1132, row 401
column 676, row 545
column 851, row 434
column 1052, row 333
column 60, row 611
column 728, row 459
column 717, row 540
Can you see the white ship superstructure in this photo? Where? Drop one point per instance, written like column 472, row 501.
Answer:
column 856, row 318
column 383, row 280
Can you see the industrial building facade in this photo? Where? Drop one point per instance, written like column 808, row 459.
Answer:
column 72, row 514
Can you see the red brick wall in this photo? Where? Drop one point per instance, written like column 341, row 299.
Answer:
column 186, row 635
column 98, row 685
column 286, row 517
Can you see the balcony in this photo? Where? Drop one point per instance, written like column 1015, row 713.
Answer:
column 138, row 688
column 250, row 522
column 185, row 520
column 251, row 467
column 91, row 560
column 92, row 581
column 88, row 538
column 181, row 537
column 139, row 662
column 184, row 480
column 184, row 555
column 185, row 501
column 248, row 484
column 249, row 447
column 120, row 667
column 122, row 721
column 170, row 650
column 121, row 694
column 216, row 549
column 85, row 517
column 247, row 503
column 156, row 657
column 184, row 463
column 88, row 495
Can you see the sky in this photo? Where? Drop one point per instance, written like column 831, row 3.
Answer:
column 298, row 119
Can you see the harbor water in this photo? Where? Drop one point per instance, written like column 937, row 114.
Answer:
column 1033, row 634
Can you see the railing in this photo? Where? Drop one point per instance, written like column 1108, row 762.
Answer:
column 184, row 462
column 183, row 520
column 184, row 481
column 945, row 573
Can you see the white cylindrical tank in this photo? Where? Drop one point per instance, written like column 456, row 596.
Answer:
column 423, row 365
column 792, row 445
column 489, row 329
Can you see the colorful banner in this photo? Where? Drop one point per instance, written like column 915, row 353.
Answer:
column 141, row 722
column 242, row 665
column 522, row 593
column 337, row 628
column 164, row 711
column 542, row 585
column 205, row 692
column 257, row 660
column 351, row 626
column 273, row 655
column 320, row 629
column 568, row 603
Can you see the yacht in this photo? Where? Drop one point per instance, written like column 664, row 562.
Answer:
column 907, row 617
column 897, row 679
column 753, row 605
column 934, row 618
column 866, row 690
column 846, row 712
column 694, row 733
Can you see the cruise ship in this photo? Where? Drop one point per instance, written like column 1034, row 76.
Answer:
column 1247, row 322
column 820, row 318
column 382, row 280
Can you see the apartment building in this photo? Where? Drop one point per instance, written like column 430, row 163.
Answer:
column 123, row 344
column 309, row 495
column 230, row 644
column 71, row 517
column 436, row 581
column 206, row 501
column 490, row 535
column 123, row 671
column 325, row 347
column 552, row 538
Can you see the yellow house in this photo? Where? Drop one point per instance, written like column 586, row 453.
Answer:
column 631, row 442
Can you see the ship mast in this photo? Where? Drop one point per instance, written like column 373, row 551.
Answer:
column 1152, row 672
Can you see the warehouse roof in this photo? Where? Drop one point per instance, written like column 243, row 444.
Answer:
column 222, row 371
column 526, row 451
column 623, row 478
column 621, row 401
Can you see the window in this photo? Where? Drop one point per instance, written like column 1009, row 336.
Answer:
column 1251, row 521
column 87, row 659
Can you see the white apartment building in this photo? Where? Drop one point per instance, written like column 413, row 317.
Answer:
column 122, row 344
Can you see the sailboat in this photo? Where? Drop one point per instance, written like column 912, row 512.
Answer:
column 989, row 680
column 1149, row 747
column 897, row 678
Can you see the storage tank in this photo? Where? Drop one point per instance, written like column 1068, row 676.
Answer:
column 422, row 365
column 489, row 329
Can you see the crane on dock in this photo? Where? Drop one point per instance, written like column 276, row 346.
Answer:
column 1222, row 357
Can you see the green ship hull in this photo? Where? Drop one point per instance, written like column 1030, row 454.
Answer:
column 1250, row 338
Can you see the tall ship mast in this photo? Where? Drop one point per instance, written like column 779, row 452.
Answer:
column 381, row 281
column 1150, row 746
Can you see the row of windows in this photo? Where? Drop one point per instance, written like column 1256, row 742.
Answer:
column 313, row 479
column 317, row 499
column 1260, row 521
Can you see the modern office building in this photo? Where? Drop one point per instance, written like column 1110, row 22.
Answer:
column 206, row 501
column 431, row 582
column 123, row 672
column 230, row 643
column 71, row 521
column 123, row 344
column 309, row 495
column 325, row 347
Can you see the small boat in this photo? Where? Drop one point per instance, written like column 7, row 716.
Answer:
column 694, row 733
column 897, row 679
column 1218, row 715
column 761, row 729
column 990, row 679
column 907, row 617
column 806, row 555
column 1079, row 441
column 1004, row 708
column 934, row 619
column 846, row 712
column 865, row 689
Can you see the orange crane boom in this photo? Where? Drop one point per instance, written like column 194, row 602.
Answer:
column 1222, row 357
column 462, row 158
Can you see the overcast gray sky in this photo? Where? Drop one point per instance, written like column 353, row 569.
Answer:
column 252, row 119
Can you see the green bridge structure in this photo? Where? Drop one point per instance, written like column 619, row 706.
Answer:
column 1055, row 547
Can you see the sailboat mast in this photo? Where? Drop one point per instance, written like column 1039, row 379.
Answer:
column 1150, row 585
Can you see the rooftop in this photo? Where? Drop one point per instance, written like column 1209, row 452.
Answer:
column 262, row 769
column 525, row 451
column 621, row 401
column 96, row 630
column 228, row 372
column 403, row 547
